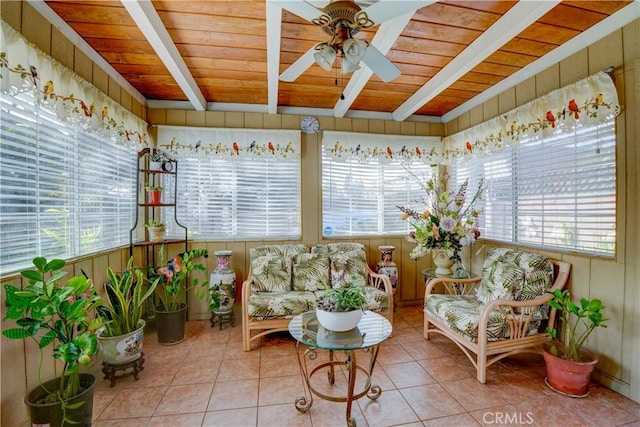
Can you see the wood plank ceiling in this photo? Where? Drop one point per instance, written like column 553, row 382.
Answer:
column 229, row 54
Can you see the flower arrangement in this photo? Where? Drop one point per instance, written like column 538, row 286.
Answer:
column 449, row 222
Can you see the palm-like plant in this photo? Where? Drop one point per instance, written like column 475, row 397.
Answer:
column 125, row 298
column 56, row 314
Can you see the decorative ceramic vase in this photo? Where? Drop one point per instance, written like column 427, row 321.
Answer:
column 386, row 265
column 339, row 321
column 442, row 261
column 222, row 284
column 123, row 348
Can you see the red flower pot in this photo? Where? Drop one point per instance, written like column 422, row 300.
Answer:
column 154, row 197
column 569, row 377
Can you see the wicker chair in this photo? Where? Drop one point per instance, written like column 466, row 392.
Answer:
column 490, row 320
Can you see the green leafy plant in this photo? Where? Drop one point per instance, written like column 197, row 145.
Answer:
column 173, row 278
column 348, row 298
column 578, row 322
column 154, row 223
column 125, row 298
column 153, row 188
column 53, row 313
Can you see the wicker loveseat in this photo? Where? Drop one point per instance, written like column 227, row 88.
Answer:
column 502, row 313
column 286, row 280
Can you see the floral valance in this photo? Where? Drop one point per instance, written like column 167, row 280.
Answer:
column 25, row 68
column 226, row 143
column 366, row 147
column 587, row 102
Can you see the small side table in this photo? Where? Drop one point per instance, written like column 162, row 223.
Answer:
column 452, row 287
column 372, row 330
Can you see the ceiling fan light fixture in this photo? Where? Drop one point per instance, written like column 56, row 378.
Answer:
column 349, row 66
column 325, row 57
column 354, row 50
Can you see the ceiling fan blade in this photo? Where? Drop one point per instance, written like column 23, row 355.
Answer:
column 300, row 8
column 299, row 67
column 379, row 64
column 385, row 10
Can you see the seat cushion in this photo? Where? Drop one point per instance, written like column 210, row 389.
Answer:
column 331, row 248
column 310, row 272
column 500, row 280
column 348, row 268
column 461, row 312
column 272, row 305
column 271, row 267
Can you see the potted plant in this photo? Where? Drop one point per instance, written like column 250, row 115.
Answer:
column 156, row 230
column 568, row 364
column 171, row 291
column 341, row 309
column 154, row 194
column 156, row 157
column 57, row 314
column 122, row 334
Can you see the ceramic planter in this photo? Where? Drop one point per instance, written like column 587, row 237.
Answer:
column 339, row 321
column 569, row 377
column 171, row 325
column 124, row 348
column 156, row 234
column 51, row 414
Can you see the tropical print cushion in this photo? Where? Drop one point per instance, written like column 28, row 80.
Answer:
column 348, row 268
column 500, row 280
column 331, row 248
column 461, row 313
column 310, row 272
column 273, row 305
column 271, row 267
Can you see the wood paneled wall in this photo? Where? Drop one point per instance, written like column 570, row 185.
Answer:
column 616, row 282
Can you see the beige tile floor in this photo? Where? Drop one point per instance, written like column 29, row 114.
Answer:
column 207, row 380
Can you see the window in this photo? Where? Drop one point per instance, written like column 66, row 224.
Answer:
column 63, row 192
column 557, row 192
column 361, row 197
column 240, row 199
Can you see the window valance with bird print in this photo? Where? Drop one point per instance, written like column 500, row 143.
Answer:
column 588, row 102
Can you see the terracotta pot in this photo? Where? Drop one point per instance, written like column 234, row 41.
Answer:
column 566, row 376
column 155, row 197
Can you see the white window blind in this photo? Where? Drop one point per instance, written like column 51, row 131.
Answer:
column 63, row 192
column 556, row 192
column 361, row 197
column 241, row 199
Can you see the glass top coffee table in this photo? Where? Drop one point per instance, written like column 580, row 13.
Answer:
column 372, row 330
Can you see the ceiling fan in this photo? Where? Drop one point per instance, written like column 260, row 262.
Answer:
column 341, row 20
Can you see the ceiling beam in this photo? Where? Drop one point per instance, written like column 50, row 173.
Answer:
column 588, row 37
column 274, row 31
column 385, row 37
column 149, row 22
column 45, row 10
column 512, row 23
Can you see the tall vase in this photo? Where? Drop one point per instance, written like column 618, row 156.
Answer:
column 442, row 261
column 222, row 284
column 386, row 265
